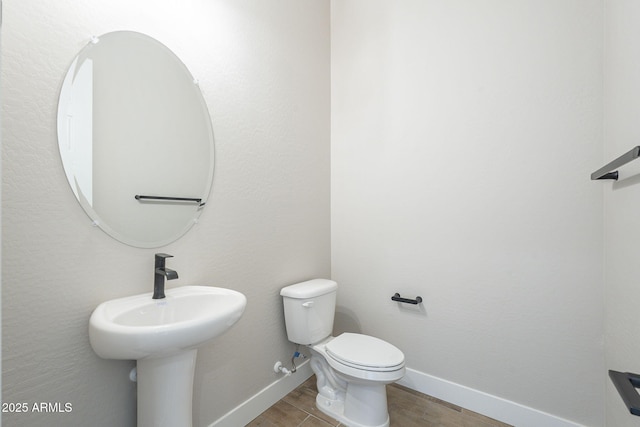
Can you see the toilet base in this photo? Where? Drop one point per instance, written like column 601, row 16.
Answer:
column 335, row 409
column 355, row 402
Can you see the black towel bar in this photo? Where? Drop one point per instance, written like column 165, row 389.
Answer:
column 397, row 297
column 177, row 199
column 626, row 384
column 605, row 171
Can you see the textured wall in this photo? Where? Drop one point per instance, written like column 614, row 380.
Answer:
column 463, row 137
column 622, row 199
column 264, row 70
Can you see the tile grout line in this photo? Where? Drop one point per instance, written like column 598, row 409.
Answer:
column 306, row 418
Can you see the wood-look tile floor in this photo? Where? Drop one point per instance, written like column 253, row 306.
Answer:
column 407, row 408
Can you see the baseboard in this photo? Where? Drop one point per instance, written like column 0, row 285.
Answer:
column 265, row 398
column 473, row 400
column 480, row 402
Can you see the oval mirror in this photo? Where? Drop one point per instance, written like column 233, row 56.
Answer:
column 135, row 139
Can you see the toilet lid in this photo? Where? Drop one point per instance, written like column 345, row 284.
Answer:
column 363, row 351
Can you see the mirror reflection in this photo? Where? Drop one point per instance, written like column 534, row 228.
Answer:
column 133, row 122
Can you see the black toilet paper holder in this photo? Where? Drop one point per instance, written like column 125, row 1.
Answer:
column 397, row 297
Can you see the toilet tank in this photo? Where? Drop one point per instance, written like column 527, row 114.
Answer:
column 309, row 309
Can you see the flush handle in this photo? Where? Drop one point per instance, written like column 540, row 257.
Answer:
column 307, row 304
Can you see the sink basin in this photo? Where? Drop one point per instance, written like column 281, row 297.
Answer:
column 139, row 327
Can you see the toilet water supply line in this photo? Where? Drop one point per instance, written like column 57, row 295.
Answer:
column 279, row 367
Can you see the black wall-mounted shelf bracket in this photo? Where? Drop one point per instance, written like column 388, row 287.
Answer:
column 627, row 383
column 608, row 172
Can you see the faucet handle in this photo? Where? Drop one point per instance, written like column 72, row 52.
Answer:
column 160, row 258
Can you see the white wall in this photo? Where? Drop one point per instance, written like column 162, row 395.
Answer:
column 463, row 137
column 264, row 70
column 622, row 199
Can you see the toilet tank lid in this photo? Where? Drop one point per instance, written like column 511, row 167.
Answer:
column 309, row 289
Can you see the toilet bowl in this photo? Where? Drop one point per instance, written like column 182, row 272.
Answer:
column 352, row 370
column 361, row 367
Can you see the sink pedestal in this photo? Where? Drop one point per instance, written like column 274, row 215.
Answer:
column 165, row 390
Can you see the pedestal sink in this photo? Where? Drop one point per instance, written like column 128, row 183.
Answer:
column 163, row 335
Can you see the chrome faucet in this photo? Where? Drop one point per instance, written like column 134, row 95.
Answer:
column 160, row 273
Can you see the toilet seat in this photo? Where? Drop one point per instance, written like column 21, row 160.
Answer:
column 365, row 352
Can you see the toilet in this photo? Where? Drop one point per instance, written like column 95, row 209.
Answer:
column 352, row 370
